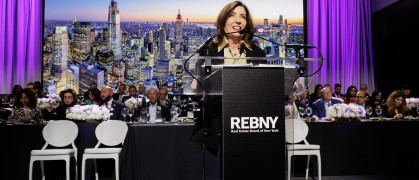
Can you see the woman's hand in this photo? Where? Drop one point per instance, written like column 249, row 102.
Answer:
column 398, row 116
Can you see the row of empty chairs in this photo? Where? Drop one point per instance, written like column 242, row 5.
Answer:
column 63, row 133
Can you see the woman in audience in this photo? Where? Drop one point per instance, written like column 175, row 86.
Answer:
column 15, row 92
column 68, row 99
column 350, row 96
column 376, row 98
column 25, row 108
column 395, row 106
column 316, row 94
column 94, row 96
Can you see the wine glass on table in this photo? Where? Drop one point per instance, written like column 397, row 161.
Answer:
column 309, row 111
column 302, row 111
column 173, row 111
column 369, row 111
column 124, row 113
column 54, row 105
column 379, row 111
column 130, row 113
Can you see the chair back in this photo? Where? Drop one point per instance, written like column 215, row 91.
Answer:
column 296, row 130
column 111, row 132
column 60, row 133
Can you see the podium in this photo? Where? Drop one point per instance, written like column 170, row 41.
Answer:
column 252, row 134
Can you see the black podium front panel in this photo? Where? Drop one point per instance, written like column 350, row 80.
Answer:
column 253, row 123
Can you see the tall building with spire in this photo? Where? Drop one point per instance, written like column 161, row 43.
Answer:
column 179, row 22
column 114, row 30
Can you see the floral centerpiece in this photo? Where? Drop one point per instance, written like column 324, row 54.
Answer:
column 88, row 113
column 345, row 112
column 133, row 103
column 412, row 102
column 46, row 102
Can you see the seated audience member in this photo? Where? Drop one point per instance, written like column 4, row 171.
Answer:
column 94, row 97
column 361, row 99
column 328, row 86
column 68, row 99
column 338, row 90
column 141, row 90
column 364, row 88
column 406, row 90
column 350, row 96
column 13, row 97
column 163, row 97
column 35, row 89
column 320, row 106
column 304, row 97
column 115, row 107
column 375, row 99
column 121, row 93
column 316, row 94
column 292, row 106
column 132, row 90
column 395, row 106
column 155, row 109
column 25, row 108
column 86, row 94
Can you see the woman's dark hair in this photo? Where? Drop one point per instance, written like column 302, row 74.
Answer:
column 317, row 89
column 223, row 16
column 348, row 94
column 30, row 95
column 96, row 93
column 375, row 94
column 72, row 92
column 15, row 91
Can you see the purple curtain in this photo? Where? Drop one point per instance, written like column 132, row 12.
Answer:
column 20, row 43
column 342, row 30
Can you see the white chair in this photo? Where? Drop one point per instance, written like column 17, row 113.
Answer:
column 296, row 130
column 58, row 134
column 109, row 133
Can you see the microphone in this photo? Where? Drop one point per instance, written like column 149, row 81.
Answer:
column 299, row 46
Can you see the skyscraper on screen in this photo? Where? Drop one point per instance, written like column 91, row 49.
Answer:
column 114, row 30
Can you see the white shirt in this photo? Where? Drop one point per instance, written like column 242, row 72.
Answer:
column 152, row 110
column 326, row 104
column 109, row 104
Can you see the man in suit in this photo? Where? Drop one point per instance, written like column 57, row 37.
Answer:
column 141, row 90
column 121, row 93
column 114, row 106
column 162, row 97
column 155, row 109
column 132, row 90
column 320, row 106
column 338, row 90
column 361, row 98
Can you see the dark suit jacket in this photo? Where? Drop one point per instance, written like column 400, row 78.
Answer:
column 212, row 106
column 116, row 96
column 168, row 103
column 125, row 98
column 117, row 110
column 318, row 107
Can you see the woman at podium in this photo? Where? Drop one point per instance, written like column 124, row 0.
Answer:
column 235, row 32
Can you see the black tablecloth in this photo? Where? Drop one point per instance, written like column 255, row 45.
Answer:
column 160, row 152
column 164, row 152
column 385, row 148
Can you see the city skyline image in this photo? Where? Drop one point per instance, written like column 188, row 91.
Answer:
column 162, row 11
column 136, row 42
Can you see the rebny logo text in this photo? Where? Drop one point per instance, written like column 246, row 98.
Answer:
column 253, row 124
